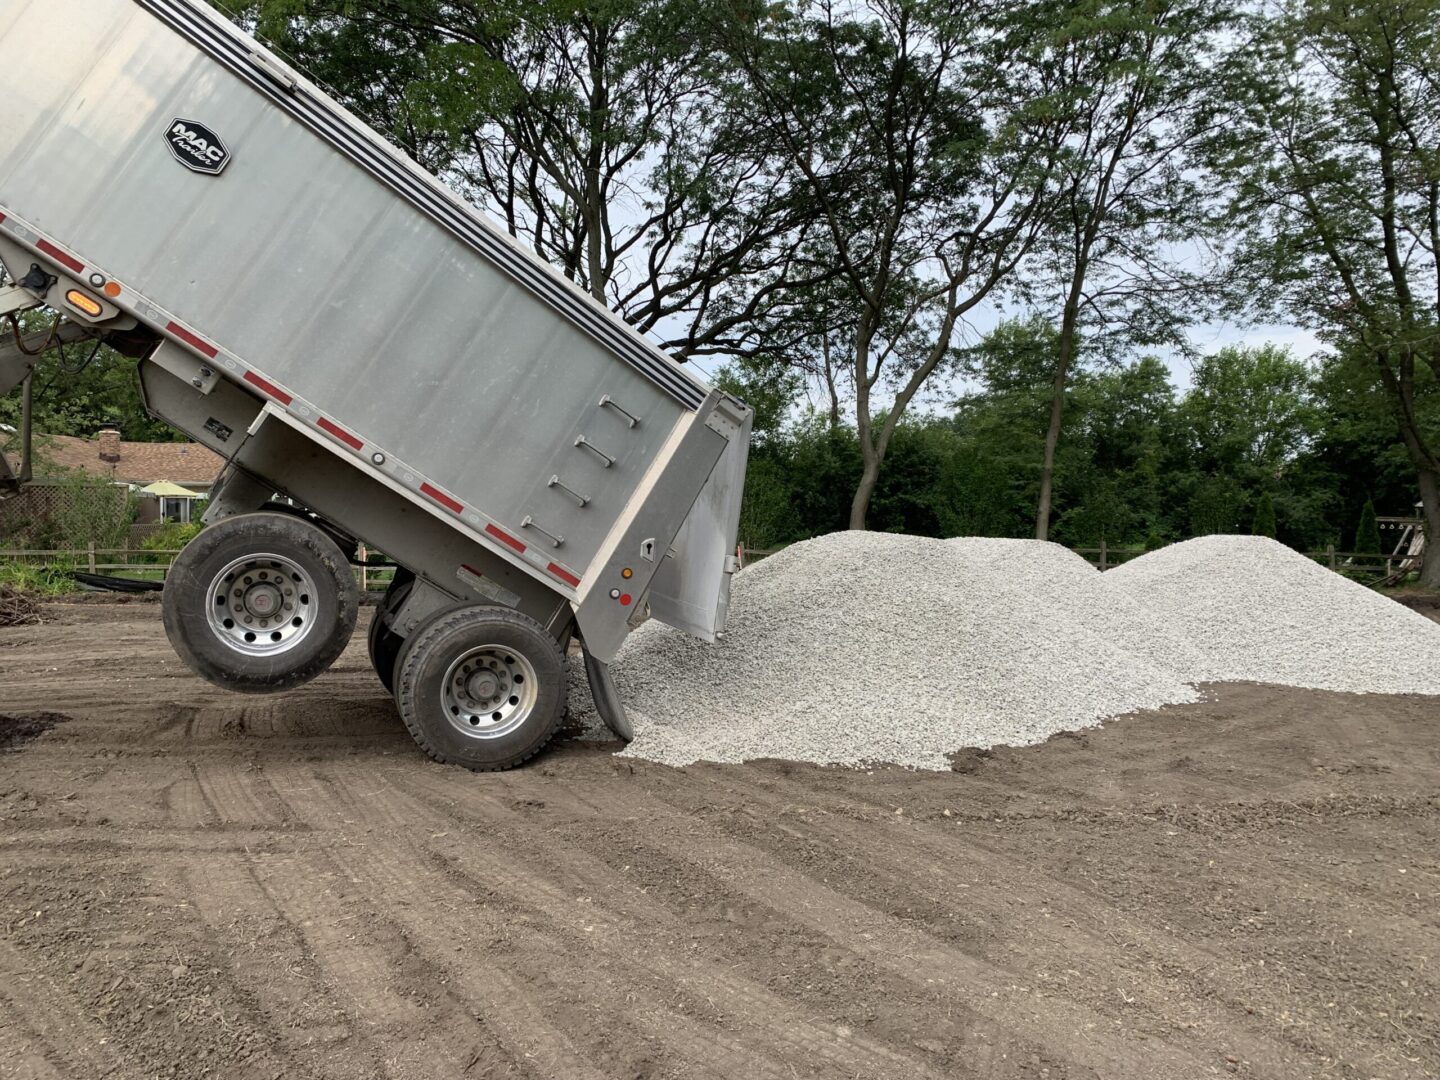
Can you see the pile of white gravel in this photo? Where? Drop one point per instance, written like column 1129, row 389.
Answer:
column 1250, row 609
column 859, row 648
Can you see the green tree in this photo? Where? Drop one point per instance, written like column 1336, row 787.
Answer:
column 1263, row 523
column 769, row 388
column 1250, row 410
column 1367, row 533
column 928, row 183
column 1128, row 434
column 1333, row 154
column 1356, row 455
column 1137, row 83
column 606, row 135
column 1248, row 418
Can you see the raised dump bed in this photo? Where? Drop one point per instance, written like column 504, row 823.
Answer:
column 352, row 337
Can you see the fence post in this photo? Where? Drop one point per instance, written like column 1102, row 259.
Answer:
column 1330, row 556
column 364, row 568
column 91, row 553
column 1104, row 557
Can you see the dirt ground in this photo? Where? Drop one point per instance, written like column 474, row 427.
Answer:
column 194, row 883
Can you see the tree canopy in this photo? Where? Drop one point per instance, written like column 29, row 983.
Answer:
column 828, row 197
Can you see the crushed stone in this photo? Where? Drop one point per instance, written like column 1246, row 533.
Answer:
column 1250, row 609
column 859, row 648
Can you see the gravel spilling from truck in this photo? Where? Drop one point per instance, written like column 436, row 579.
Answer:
column 858, row 648
column 865, row 647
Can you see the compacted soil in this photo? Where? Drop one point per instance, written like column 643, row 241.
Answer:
column 195, row 883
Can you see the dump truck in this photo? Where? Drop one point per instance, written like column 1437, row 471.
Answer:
column 378, row 365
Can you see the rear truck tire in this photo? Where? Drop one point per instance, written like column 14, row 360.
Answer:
column 384, row 643
column 260, row 602
column 481, row 686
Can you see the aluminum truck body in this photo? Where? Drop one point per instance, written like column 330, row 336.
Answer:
column 348, row 333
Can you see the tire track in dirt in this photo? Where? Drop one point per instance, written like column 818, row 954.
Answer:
column 505, row 1000
column 527, row 896
column 517, row 1034
column 186, row 804
column 143, row 990
column 269, row 953
column 1069, row 1030
column 1268, row 869
column 49, row 1024
column 627, row 917
column 529, row 878
column 915, row 873
column 523, row 881
column 375, row 973
column 20, row 1058
column 1303, row 867
column 239, row 797
column 925, row 865
column 429, row 879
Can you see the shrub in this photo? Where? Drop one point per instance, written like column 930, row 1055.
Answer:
column 171, row 537
column 1367, row 535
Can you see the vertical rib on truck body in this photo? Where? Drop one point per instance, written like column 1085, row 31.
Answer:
column 301, row 278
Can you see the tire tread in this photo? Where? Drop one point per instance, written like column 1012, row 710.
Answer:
column 406, row 683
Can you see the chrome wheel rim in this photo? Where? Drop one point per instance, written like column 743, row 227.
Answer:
column 262, row 605
column 489, row 691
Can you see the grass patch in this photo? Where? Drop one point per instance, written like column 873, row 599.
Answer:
column 47, row 580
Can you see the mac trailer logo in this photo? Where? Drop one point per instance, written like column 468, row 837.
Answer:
column 197, row 147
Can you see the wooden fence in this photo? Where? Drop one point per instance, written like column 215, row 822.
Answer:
column 124, row 562
column 95, row 560
column 153, row 563
column 1367, row 564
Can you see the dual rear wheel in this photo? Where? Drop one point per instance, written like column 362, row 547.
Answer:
column 266, row 601
column 481, row 686
column 476, row 685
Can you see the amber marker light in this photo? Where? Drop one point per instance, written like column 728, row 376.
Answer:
column 87, row 304
column 627, row 573
column 112, row 289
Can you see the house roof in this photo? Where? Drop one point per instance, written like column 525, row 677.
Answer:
column 135, row 462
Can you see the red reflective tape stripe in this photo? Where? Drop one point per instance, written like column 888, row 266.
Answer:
column 440, row 497
column 60, row 256
column 499, row 534
column 191, row 340
column 470, row 569
column 269, row 387
column 564, row 575
column 340, row 433
column 2, row 219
